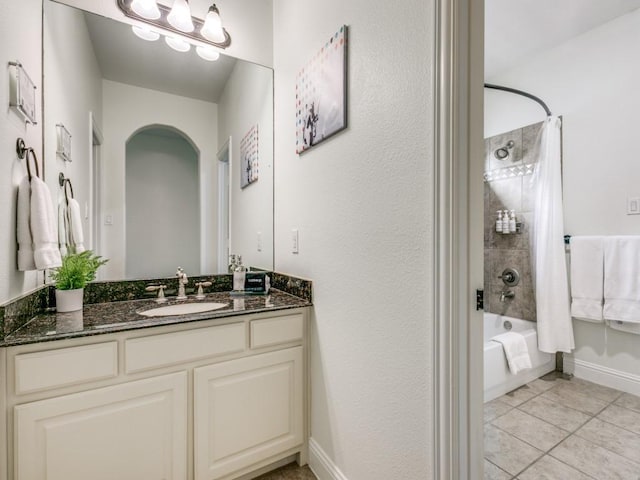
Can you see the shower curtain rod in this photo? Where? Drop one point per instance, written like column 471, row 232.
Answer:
column 519, row 92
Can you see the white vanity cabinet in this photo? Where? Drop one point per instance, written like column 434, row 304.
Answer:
column 209, row 400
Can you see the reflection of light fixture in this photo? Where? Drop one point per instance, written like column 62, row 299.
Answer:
column 145, row 33
column 177, row 43
column 180, row 16
column 207, row 53
column 209, row 32
column 212, row 28
column 146, row 8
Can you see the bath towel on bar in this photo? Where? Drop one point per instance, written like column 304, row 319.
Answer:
column 516, row 351
column 622, row 279
column 76, row 237
column 587, row 278
column 36, row 228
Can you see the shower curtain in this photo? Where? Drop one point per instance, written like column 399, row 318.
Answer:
column 549, row 270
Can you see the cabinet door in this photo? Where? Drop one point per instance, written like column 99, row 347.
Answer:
column 247, row 410
column 131, row 431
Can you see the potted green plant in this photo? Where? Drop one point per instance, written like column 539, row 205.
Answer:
column 76, row 271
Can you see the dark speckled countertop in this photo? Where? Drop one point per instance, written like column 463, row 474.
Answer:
column 110, row 317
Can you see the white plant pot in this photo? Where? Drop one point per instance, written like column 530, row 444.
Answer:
column 69, row 300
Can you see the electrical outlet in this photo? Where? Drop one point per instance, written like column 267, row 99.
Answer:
column 108, row 219
column 633, row 205
column 294, row 240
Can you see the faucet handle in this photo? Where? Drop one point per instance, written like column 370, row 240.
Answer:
column 160, row 288
column 200, row 293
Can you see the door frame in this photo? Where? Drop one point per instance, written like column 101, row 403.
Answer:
column 458, row 238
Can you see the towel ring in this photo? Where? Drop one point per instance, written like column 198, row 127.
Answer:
column 64, row 182
column 23, row 151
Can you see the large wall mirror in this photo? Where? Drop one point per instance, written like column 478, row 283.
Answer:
column 156, row 148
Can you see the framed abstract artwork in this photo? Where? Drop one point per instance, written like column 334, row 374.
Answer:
column 249, row 157
column 321, row 93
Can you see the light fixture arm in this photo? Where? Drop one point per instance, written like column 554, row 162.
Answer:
column 162, row 22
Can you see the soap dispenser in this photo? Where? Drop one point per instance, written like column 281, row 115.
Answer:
column 239, row 275
column 512, row 222
column 505, row 222
column 499, row 222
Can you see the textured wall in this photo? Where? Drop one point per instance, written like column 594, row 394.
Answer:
column 20, row 39
column 363, row 207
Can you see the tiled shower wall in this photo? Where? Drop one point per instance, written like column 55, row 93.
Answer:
column 507, row 186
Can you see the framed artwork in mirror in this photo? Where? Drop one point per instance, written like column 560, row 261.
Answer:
column 64, row 142
column 249, row 157
column 321, row 93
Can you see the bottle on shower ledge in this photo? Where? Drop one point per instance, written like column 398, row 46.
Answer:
column 512, row 222
column 499, row 222
column 505, row 222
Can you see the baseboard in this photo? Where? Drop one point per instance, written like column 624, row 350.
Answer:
column 626, row 382
column 321, row 465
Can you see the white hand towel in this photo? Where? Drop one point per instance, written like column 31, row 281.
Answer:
column 76, row 236
column 622, row 278
column 515, row 349
column 587, row 278
column 43, row 227
column 25, row 242
column 63, row 227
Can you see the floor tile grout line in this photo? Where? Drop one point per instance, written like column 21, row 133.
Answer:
column 499, row 468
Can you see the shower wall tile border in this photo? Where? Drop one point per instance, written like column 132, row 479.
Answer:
column 510, row 172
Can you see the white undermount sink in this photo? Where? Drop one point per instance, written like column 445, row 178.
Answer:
column 183, row 309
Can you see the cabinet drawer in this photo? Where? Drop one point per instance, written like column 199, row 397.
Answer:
column 173, row 348
column 272, row 331
column 65, row 366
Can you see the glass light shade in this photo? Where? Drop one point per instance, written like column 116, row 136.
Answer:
column 208, row 53
column 180, row 16
column 145, row 33
column 212, row 28
column 146, row 9
column 178, row 44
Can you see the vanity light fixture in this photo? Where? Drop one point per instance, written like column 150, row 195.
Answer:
column 179, row 21
column 145, row 33
column 177, row 43
column 212, row 28
column 180, row 16
column 207, row 53
column 146, row 9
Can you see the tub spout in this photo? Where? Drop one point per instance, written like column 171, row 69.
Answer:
column 507, row 294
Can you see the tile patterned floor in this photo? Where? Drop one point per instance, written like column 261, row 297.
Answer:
column 562, row 429
column 289, row 472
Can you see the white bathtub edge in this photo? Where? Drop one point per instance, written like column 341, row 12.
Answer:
column 522, row 378
column 592, row 372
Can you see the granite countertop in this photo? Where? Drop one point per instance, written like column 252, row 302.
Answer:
column 111, row 317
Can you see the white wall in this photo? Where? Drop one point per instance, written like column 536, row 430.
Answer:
column 70, row 99
column 19, row 40
column 592, row 81
column 126, row 110
column 363, row 206
column 248, row 100
column 249, row 23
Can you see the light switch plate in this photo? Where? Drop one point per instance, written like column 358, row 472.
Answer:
column 633, row 206
column 259, row 241
column 294, row 240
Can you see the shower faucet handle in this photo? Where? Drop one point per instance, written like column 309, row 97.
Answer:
column 510, row 277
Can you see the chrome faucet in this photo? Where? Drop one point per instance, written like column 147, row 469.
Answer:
column 182, row 281
column 507, row 294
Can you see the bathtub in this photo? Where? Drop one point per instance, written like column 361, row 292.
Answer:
column 497, row 378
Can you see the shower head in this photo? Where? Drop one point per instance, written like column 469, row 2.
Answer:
column 503, row 152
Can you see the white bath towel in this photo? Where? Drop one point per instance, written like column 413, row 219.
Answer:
column 76, row 236
column 36, row 227
column 515, row 349
column 63, row 227
column 622, row 278
column 25, row 243
column 587, row 278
